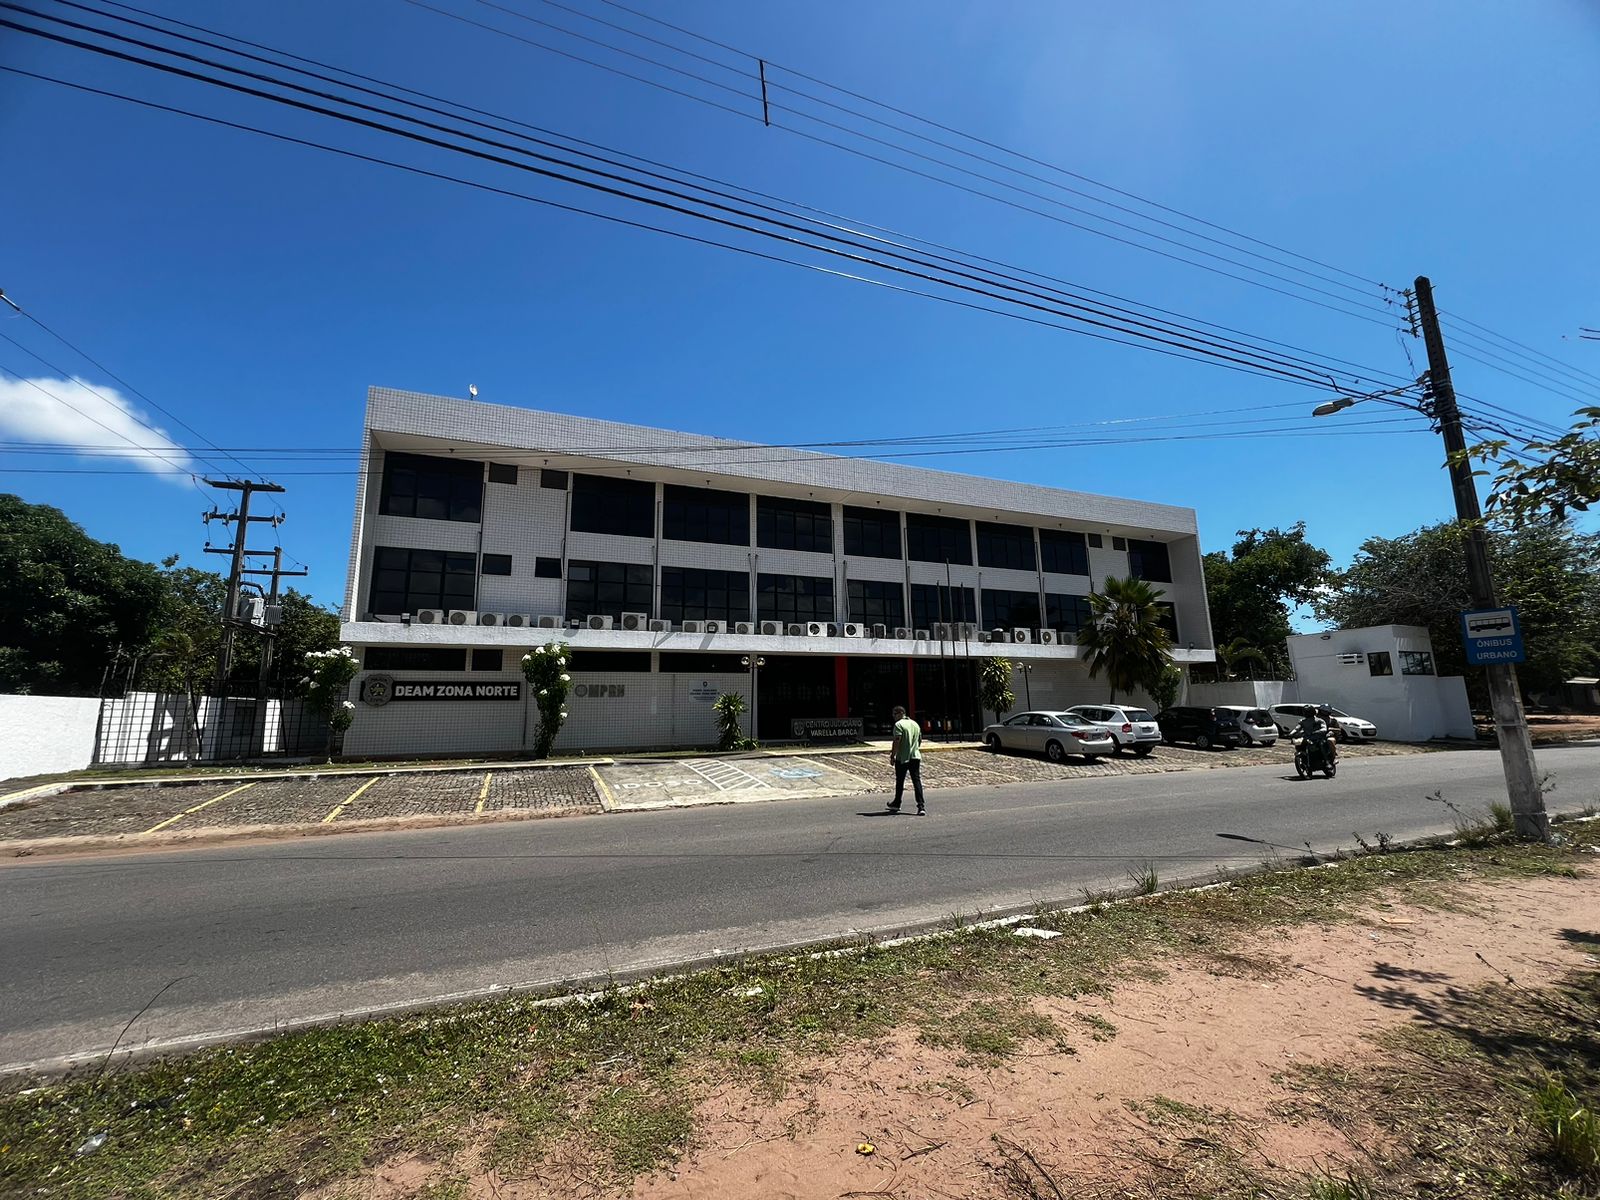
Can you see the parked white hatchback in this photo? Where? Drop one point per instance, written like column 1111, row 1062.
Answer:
column 1256, row 724
column 1345, row 727
column 1131, row 728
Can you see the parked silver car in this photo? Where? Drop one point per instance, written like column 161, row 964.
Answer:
column 1056, row 735
column 1256, row 724
column 1131, row 728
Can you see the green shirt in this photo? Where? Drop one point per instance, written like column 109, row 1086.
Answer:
column 907, row 740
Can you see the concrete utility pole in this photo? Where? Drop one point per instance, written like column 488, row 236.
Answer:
column 1505, row 699
column 241, row 519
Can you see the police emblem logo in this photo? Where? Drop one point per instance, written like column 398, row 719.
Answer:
column 378, row 690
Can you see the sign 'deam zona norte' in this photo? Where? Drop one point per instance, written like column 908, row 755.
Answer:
column 1492, row 636
column 378, row 690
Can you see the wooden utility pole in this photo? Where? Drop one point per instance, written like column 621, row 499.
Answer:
column 1510, row 722
column 241, row 520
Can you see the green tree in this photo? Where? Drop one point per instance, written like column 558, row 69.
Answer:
column 545, row 669
column 68, row 603
column 994, row 685
column 1549, row 571
column 326, row 685
column 1545, row 479
column 1237, row 655
column 1164, row 690
column 1124, row 636
column 729, row 708
column 1250, row 591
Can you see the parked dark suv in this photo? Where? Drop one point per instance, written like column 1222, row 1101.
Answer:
column 1205, row 727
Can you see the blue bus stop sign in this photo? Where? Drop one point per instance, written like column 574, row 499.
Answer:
column 1492, row 636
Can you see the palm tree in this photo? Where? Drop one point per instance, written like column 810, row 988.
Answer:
column 1124, row 636
column 1236, row 654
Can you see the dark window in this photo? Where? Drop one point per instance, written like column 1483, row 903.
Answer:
column 938, row 539
column 1149, row 560
column 404, row 581
column 440, row 489
column 487, row 660
column 609, row 660
column 547, row 568
column 688, row 594
column 1416, row 662
column 875, row 603
column 931, row 603
column 497, row 564
column 792, row 598
column 1380, row 663
column 1063, row 553
column 502, row 473
column 553, row 479
column 619, row 506
column 1119, row 543
column 1167, row 617
column 1064, row 613
column 608, row 589
column 1096, row 541
column 1006, row 609
column 705, row 515
column 413, row 658
column 794, row 525
column 871, row 533
column 687, row 663
column 1005, row 546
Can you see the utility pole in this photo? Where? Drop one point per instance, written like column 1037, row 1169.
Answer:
column 241, row 519
column 1511, row 725
column 269, row 643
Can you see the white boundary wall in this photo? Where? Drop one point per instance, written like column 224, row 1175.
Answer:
column 40, row 735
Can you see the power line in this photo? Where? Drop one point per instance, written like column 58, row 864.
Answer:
column 997, row 146
column 1386, row 314
column 1454, row 319
column 1183, row 343
column 1364, row 375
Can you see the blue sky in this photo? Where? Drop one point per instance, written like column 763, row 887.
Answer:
column 256, row 289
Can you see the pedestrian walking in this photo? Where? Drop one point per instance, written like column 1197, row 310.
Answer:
column 906, row 755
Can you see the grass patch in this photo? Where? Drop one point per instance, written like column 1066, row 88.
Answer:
column 1144, row 879
column 1571, row 1128
column 1340, row 1187
column 619, row 1075
column 1100, row 1029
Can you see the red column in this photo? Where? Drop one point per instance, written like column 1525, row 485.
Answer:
column 841, row 686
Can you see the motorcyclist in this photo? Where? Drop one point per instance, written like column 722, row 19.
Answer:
column 1317, row 730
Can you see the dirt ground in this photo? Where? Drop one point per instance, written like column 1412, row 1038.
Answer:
column 1549, row 727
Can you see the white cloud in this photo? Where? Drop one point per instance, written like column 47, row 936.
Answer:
column 42, row 411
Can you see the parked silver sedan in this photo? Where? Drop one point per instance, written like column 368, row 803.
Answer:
column 1056, row 735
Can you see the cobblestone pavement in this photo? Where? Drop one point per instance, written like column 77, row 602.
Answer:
column 191, row 807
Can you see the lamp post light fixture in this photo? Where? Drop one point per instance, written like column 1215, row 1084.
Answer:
column 754, row 662
column 1027, row 679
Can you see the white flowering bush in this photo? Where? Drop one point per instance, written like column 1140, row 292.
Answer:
column 327, row 683
column 544, row 667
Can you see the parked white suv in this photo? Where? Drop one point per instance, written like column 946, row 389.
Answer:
column 1256, row 724
column 1132, row 728
column 1345, row 727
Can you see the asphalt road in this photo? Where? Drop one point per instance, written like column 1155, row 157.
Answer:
column 247, row 937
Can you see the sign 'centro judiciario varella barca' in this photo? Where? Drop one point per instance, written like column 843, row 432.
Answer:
column 378, row 690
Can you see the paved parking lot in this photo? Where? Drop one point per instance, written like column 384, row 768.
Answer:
column 331, row 800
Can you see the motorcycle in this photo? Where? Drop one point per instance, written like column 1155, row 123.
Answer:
column 1313, row 756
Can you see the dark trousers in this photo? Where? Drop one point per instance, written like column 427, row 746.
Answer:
column 901, row 770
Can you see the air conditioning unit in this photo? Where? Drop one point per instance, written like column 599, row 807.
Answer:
column 984, row 637
column 251, row 610
column 549, row 622
column 797, row 630
column 518, row 620
column 922, row 635
column 1066, row 639
column 999, row 635
column 852, row 629
column 574, row 623
column 772, row 629
column 461, row 616
column 635, row 622
column 743, row 628
column 902, row 632
column 714, row 626
column 816, row 629
column 942, row 631
column 879, row 631
column 599, row 622
column 693, row 626
column 428, row 616
column 1047, row 637
column 491, row 618
column 272, row 614
column 1351, row 660
column 1022, row 636
column 660, row 626
column 968, row 629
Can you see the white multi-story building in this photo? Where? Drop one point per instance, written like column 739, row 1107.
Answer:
column 678, row 567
